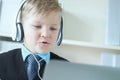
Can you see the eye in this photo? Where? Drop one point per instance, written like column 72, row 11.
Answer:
column 53, row 28
column 37, row 27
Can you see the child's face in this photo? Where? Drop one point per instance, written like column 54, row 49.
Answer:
column 41, row 32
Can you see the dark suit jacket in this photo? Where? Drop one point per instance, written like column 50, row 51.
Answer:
column 12, row 66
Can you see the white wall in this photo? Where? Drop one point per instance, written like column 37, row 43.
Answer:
column 85, row 20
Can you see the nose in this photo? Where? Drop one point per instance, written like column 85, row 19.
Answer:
column 45, row 32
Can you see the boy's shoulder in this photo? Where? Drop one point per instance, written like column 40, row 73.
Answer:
column 9, row 53
column 13, row 52
column 54, row 56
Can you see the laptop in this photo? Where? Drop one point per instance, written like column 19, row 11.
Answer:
column 63, row 70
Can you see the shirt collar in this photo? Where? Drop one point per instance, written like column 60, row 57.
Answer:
column 26, row 52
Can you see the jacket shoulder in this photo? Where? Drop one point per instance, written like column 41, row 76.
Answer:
column 9, row 54
column 54, row 56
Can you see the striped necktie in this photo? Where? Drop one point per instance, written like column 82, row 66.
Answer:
column 32, row 67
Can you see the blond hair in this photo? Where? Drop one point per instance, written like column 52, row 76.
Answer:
column 36, row 7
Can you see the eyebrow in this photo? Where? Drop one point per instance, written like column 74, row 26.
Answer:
column 54, row 24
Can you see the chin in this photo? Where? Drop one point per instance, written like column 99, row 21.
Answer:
column 42, row 52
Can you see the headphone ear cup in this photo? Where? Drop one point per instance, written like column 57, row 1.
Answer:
column 19, row 33
column 60, row 35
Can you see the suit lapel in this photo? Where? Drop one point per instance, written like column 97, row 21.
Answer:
column 20, row 66
column 15, row 68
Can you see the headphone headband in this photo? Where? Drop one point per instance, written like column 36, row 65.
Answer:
column 19, row 10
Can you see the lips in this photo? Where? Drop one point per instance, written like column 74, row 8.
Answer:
column 45, row 42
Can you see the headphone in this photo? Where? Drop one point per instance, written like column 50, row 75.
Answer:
column 19, row 27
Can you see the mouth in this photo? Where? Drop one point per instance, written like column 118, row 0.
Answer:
column 44, row 43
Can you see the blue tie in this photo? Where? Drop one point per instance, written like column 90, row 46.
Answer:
column 32, row 67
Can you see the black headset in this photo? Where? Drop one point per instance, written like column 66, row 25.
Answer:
column 20, row 33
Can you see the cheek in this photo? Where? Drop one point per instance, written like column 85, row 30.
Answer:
column 54, row 37
column 30, row 35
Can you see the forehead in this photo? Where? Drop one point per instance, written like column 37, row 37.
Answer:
column 53, row 17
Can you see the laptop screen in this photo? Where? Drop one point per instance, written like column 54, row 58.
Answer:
column 62, row 70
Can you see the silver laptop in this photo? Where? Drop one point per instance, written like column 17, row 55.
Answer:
column 62, row 70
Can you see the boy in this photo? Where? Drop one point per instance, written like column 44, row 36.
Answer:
column 40, row 20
